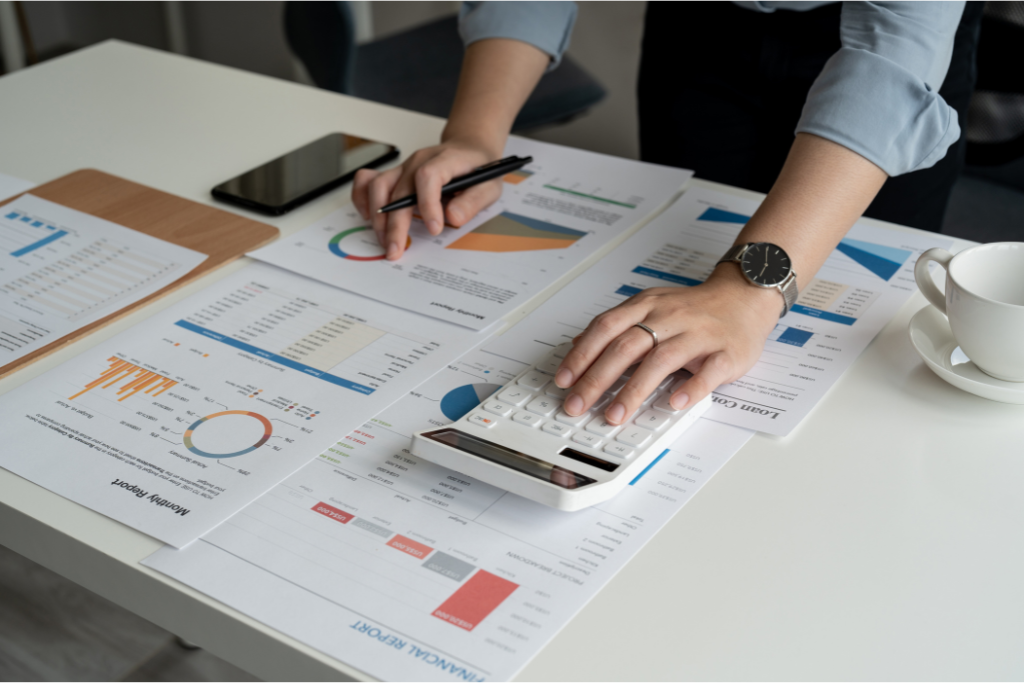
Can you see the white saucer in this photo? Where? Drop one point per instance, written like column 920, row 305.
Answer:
column 931, row 336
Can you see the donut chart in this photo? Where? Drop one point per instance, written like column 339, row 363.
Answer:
column 335, row 245
column 267, row 431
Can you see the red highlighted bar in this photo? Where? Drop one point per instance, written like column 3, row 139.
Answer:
column 333, row 512
column 477, row 598
column 407, row 545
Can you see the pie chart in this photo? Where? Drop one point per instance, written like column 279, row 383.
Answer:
column 461, row 400
column 358, row 244
column 235, row 433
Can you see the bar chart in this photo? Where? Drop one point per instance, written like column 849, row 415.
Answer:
column 138, row 379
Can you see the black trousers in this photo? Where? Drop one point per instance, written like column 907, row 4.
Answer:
column 721, row 89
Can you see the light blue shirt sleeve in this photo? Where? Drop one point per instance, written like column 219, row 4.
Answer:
column 878, row 95
column 545, row 25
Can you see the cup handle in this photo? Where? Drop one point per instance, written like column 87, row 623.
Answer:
column 924, row 278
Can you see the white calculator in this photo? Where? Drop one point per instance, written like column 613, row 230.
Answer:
column 521, row 440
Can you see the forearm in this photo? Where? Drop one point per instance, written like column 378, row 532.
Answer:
column 497, row 77
column 822, row 191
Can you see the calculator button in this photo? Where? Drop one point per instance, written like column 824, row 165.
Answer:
column 663, row 384
column 498, row 408
column 680, row 381
column 601, row 427
column 515, row 396
column 585, row 439
column 542, row 405
column 482, row 420
column 653, row 420
column 618, row 384
column 601, row 402
column 664, row 406
column 562, row 350
column 557, row 428
column 533, row 380
column 554, row 391
column 618, row 450
column 566, row 418
column 528, row 419
column 550, row 365
column 634, row 436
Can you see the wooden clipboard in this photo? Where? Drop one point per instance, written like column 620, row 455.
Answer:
column 221, row 235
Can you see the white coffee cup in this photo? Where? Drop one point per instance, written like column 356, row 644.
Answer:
column 984, row 302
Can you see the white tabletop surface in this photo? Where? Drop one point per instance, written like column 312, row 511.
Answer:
column 881, row 539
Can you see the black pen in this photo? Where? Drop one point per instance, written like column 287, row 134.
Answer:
column 487, row 172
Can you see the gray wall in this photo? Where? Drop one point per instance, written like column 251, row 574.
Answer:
column 248, row 35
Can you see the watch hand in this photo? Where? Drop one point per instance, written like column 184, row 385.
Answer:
column 762, row 269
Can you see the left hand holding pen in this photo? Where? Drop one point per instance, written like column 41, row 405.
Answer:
column 715, row 330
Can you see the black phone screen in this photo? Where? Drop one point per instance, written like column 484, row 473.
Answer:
column 305, row 173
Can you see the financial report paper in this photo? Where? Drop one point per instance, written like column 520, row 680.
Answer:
column 410, row 571
column 62, row 269
column 552, row 215
column 10, row 186
column 177, row 423
column 840, row 310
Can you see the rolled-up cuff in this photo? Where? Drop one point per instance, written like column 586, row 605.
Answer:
column 881, row 111
column 545, row 25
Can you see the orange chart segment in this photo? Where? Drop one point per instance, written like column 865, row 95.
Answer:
column 508, row 232
column 138, row 379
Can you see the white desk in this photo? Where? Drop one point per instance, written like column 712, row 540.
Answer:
column 882, row 539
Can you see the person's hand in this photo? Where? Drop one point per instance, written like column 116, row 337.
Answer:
column 715, row 330
column 424, row 173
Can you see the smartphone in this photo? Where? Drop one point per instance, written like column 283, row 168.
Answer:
column 303, row 174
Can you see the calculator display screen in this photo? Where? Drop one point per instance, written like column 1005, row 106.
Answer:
column 520, row 462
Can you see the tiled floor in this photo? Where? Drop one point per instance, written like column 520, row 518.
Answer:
column 53, row 630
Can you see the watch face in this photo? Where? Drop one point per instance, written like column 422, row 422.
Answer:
column 766, row 264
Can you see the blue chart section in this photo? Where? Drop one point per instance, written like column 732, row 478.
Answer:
column 794, row 337
column 29, row 248
column 647, row 469
column 41, row 243
column 626, row 290
column 882, row 261
column 824, row 315
column 667, row 277
column 720, row 216
column 280, row 360
column 461, row 400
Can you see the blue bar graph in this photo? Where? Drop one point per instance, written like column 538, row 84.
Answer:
column 12, row 215
column 627, row 290
column 881, row 260
column 653, row 463
column 41, row 243
column 280, row 360
column 794, row 337
column 824, row 315
column 719, row 216
column 667, row 277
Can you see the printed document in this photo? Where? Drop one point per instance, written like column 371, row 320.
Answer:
column 177, row 423
column 410, row 571
column 62, row 269
column 10, row 186
column 552, row 215
column 840, row 310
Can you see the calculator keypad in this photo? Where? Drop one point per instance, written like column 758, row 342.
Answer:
column 534, row 401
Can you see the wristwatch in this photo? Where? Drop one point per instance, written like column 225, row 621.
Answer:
column 766, row 265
